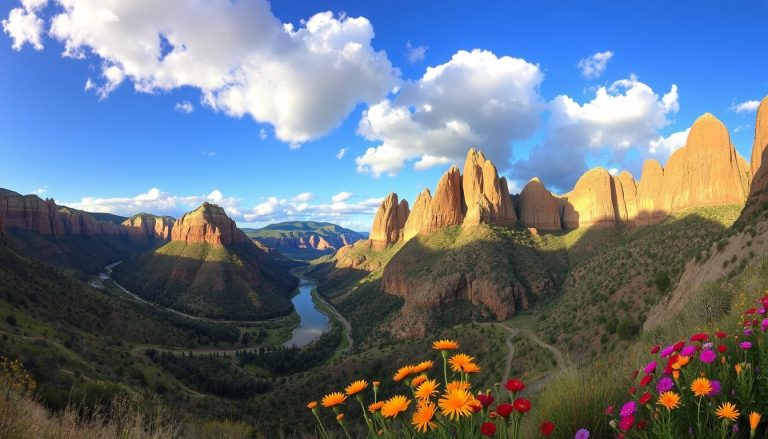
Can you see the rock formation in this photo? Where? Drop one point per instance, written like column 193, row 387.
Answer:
column 592, row 202
column 149, row 226
column 418, row 219
column 626, row 185
column 758, row 192
column 538, row 207
column 207, row 224
column 446, row 208
column 650, row 205
column 389, row 222
column 486, row 196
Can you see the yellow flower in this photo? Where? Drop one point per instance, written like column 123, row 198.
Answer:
column 403, row 373
column 457, row 385
column 701, row 387
column 312, row 405
column 470, row 368
column 427, row 389
column 456, row 403
column 737, row 366
column 445, row 345
column 727, row 411
column 356, row 387
column 416, row 382
column 670, row 400
column 375, row 407
column 754, row 419
column 423, row 366
column 422, row 418
column 459, row 361
column 333, row 399
column 394, row 406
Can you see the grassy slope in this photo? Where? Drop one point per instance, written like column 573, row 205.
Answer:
column 298, row 228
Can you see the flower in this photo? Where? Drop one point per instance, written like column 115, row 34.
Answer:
column 340, row 417
column 646, row 380
column 609, row 410
column 700, row 337
column 701, row 387
column 522, row 405
column 745, row 345
column 426, row 389
column 670, row 400
column 720, row 335
column 456, row 403
column 403, row 373
column 650, row 367
column 722, row 348
column 727, row 411
column 707, row 356
column 644, row 398
column 485, row 400
column 514, row 385
column 394, row 406
column 582, row 434
column 488, row 429
column 418, row 380
column 764, row 325
column 665, row 384
column 445, row 345
column 459, row 361
column 312, row 405
column 504, row 409
column 754, row 419
column 628, row 409
column 333, row 399
column 470, row 368
column 546, row 428
column 737, row 366
column 688, row 351
column 375, row 407
column 715, row 389
column 678, row 346
column 667, row 351
column 747, row 332
column 423, row 366
column 655, row 349
column 356, row 387
column 627, row 423
column 422, row 417
column 457, row 385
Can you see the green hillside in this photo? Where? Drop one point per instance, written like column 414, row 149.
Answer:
column 298, row 228
column 108, row 217
column 292, row 238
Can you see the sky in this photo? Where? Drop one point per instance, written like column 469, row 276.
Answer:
column 316, row 110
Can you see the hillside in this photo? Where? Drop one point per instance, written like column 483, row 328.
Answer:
column 304, row 239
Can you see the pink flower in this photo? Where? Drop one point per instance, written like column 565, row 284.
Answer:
column 650, row 367
column 707, row 356
column 627, row 422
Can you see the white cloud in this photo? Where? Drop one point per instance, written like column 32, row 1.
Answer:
column 89, row 84
column 184, row 107
column 302, row 80
column 663, row 147
column 594, row 65
column 746, row 106
column 626, row 116
column 155, row 201
column 342, row 152
column 303, row 197
column 475, row 99
column 24, row 26
column 262, row 134
column 415, row 53
column 40, row 191
column 341, row 196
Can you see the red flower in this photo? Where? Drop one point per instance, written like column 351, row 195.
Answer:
column 722, row 348
column 632, row 390
column 747, row 323
column 700, row 337
column 609, row 410
column 646, row 379
column 488, row 429
column 721, row 335
column 522, row 405
column 678, row 346
column 485, row 400
column 668, row 370
column 504, row 409
column 655, row 349
column 750, row 311
column 645, row 398
column 547, row 428
column 514, row 385
column 627, row 423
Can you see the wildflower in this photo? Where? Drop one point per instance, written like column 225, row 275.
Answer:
column 722, row 348
column 715, row 389
column 488, row 429
column 457, row 385
column 745, row 345
column 650, row 367
column 485, row 400
column 394, row 406
column 626, row 423
column 504, row 409
column 700, row 337
column 375, row 407
column 707, row 345
column 727, row 411
column 423, row 366
column 707, row 356
column 356, row 387
column 582, row 434
column 737, row 366
column 632, row 390
column 655, row 349
column 514, row 385
column 665, row 384
column 522, row 405
column 416, row 382
column 470, row 368
column 701, row 387
column 426, row 389
column 678, row 346
column 667, row 351
column 644, row 398
column 670, row 400
column 628, row 409
column 721, row 335
column 403, row 373
column 688, row 351
column 754, row 419
column 646, row 380
column 546, row 428
column 333, row 399
column 340, row 417
column 456, row 403
column 609, row 410
column 459, row 361
column 747, row 332
column 376, row 385
column 422, row 417
column 682, row 361
column 445, row 345
column 312, row 405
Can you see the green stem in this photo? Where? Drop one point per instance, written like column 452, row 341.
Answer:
column 445, row 367
column 320, row 423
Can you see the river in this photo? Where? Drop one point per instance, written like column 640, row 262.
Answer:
column 313, row 321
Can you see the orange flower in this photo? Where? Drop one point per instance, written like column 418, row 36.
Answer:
column 375, row 407
column 471, row 368
column 423, row 366
column 340, row 417
column 416, row 382
column 459, row 361
column 356, row 387
column 456, row 403
column 403, row 373
column 737, row 366
column 422, row 418
column 426, row 389
column 727, row 411
column 333, row 399
column 457, row 385
column 445, row 345
column 394, row 406
column 701, row 387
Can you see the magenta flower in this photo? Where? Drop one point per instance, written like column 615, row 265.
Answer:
column 667, row 351
column 707, row 356
column 582, row 434
column 628, row 409
column 715, row 388
column 745, row 345
column 626, row 423
column 665, row 384
column 688, row 351
column 764, row 325
column 650, row 367
column 747, row 332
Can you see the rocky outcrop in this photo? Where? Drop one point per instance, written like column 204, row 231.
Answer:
column 486, row 196
column 650, row 195
column 706, row 171
column 208, row 224
column 149, row 226
column 538, row 207
column 592, row 202
column 626, row 189
column 758, row 192
column 446, row 207
column 389, row 222
column 418, row 219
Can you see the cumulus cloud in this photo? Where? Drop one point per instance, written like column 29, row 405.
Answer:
column 415, row 53
column 341, row 196
column 663, row 146
column 155, row 201
column 746, row 106
column 625, row 116
column 303, row 80
column 276, row 209
column 342, row 152
column 40, row 191
column 303, row 197
column 184, row 107
column 435, row 119
column 594, row 65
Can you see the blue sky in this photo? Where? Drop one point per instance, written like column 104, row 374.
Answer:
column 264, row 141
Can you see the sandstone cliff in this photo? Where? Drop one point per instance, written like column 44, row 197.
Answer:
column 149, row 226
column 592, row 202
column 446, row 207
column 418, row 219
column 538, row 207
column 627, row 188
column 758, row 192
column 650, row 195
column 486, row 196
column 207, row 224
column 389, row 221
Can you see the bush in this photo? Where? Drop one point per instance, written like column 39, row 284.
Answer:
column 662, row 281
column 627, row 329
column 11, row 319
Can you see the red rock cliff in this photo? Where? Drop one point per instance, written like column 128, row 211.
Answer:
column 207, row 224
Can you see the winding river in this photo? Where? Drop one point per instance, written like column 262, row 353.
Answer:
column 313, row 321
